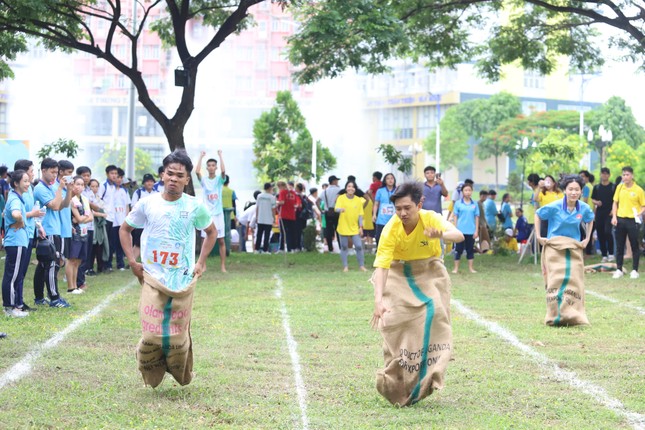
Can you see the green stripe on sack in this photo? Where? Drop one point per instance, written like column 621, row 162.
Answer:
column 423, row 370
column 165, row 327
column 565, row 282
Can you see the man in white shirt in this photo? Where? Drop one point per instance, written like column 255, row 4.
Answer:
column 212, row 196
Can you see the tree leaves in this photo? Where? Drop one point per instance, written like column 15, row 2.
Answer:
column 283, row 144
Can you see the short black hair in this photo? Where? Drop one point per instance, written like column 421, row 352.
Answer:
column 110, row 168
column 65, row 165
column 605, row 170
column 585, row 173
column 572, row 178
column 533, row 178
column 429, row 168
column 160, row 170
column 467, row 185
column 3, row 169
column 120, row 172
column 256, row 193
column 414, row 190
column 227, row 180
column 505, row 195
column 628, row 169
column 94, row 180
column 179, row 156
column 492, row 192
column 483, row 193
column 469, row 181
column 16, row 177
column 211, row 160
column 351, row 178
column 378, row 175
column 300, row 187
column 83, row 169
column 267, row 185
column 313, row 190
column 520, row 209
column 48, row 163
column 22, row 165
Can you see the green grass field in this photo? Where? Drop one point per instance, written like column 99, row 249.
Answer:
column 244, row 376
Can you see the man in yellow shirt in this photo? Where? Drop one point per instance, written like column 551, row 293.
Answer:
column 627, row 215
column 412, row 299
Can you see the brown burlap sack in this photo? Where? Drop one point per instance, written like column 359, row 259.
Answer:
column 165, row 345
column 417, row 336
column 563, row 269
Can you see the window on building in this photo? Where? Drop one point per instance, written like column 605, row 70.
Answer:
column 151, row 52
column 284, row 83
column 275, row 24
column 3, row 118
column 275, row 54
column 533, row 79
column 262, row 57
column 243, row 83
column 152, row 81
column 285, row 25
column 274, row 83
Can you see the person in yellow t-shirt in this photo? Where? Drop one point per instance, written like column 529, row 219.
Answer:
column 411, row 234
column 547, row 192
column 368, row 223
column 626, row 216
column 350, row 223
column 509, row 242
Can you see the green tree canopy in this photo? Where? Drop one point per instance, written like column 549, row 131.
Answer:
column 558, row 153
column 453, row 148
column 111, row 155
column 342, row 34
column 621, row 154
column 282, row 145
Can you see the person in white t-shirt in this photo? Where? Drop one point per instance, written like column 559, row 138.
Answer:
column 120, row 209
column 169, row 220
column 145, row 191
column 212, row 197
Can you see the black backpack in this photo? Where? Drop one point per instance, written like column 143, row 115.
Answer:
column 46, row 250
column 307, row 212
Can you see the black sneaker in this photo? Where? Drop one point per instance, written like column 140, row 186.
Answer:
column 41, row 302
column 27, row 308
column 90, row 273
column 3, row 335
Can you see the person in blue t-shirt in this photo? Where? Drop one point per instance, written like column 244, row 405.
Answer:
column 383, row 208
column 566, row 215
column 506, row 211
column 47, row 196
column 466, row 215
column 522, row 227
column 15, row 243
column 490, row 212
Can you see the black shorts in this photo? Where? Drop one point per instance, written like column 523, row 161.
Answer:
column 78, row 249
column 66, row 244
column 136, row 237
column 369, row 233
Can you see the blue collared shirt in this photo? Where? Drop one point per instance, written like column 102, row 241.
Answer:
column 15, row 237
column 466, row 213
column 561, row 221
column 44, row 194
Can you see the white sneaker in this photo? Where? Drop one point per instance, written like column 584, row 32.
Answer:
column 634, row 274
column 16, row 313
column 618, row 274
column 76, row 291
column 611, row 258
column 604, row 260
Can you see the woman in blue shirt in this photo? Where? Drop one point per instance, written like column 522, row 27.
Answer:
column 383, row 208
column 566, row 215
column 16, row 242
column 506, row 211
column 466, row 215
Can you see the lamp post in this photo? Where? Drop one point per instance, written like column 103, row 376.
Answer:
column 415, row 149
column 523, row 148
column 437, row 98
column 606, row 136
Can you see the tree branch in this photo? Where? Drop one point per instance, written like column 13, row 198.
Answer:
column 179, row 26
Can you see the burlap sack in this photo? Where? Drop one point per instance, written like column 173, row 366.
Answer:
column 563, row 269
column 417, row 336
column 165, row 345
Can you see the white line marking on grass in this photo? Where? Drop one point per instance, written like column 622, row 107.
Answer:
column 636, row 420
column 24, row 366
column 618, row 302
column 295, row 359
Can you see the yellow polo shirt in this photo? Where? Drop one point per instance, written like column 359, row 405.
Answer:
column 395, row 244
column 368, row 224
column 348, row 220
column 628, row 199
column 548, row 197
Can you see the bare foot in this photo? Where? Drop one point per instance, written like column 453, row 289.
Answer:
column 346, row 269
column 224, row 270
column 454, row 271
column 363, row 269
column 473, row 271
